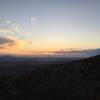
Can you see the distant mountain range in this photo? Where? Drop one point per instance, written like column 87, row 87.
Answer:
column 12, row 64
column 37, row 59
column 78, row 80
column 58, row 55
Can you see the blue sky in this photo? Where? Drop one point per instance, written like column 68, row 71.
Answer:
column 50, row 25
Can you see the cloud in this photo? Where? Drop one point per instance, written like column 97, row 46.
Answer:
column 77, row 52
column 5, row 40
column 13, row 45
column 8, row 21
column 33, row 19
column 10, row 29
column 8, row 43
column 5, row 30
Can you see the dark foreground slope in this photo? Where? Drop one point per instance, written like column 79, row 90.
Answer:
column 78, row 80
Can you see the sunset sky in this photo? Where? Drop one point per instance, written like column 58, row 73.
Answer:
column 30, row 27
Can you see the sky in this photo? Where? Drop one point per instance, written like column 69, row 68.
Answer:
column 29, row 27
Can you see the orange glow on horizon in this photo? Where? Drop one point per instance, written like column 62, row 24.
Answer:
column 24, row 47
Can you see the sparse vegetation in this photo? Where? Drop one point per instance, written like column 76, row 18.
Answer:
column 78, row 80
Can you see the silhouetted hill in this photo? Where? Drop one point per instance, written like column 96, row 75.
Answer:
column 78, row 80
column 19, row 64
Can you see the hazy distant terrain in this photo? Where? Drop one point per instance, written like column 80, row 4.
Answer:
column 13, row 65
column 78, row 80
